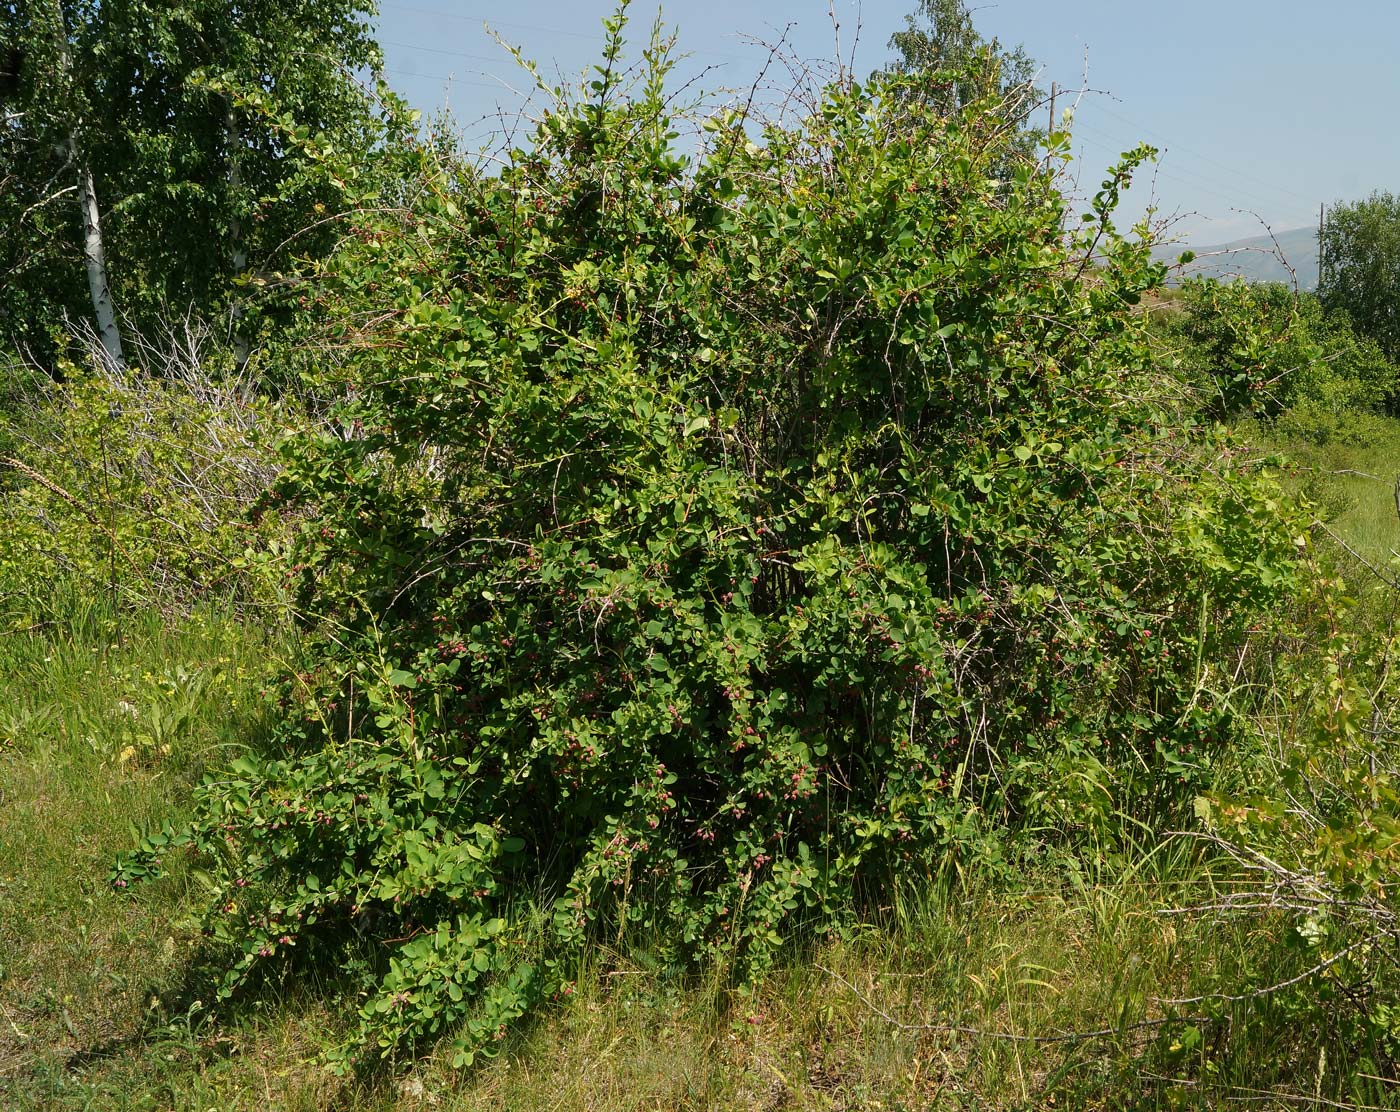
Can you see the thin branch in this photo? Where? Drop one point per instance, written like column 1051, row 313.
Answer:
column 1255, row 994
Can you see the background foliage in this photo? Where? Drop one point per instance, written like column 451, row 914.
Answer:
column 1261, row 349
column 192, row 118
column 136, row 488
column 1361, row 266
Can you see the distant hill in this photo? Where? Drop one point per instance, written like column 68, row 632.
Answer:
column 1255, row 259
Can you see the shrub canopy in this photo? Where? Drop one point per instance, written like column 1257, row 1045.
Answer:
column 710, row 542
column 1263, row 348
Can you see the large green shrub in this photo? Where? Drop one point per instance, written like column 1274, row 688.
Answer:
column 708, row 543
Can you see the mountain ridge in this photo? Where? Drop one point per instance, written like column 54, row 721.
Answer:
column 1262, row 258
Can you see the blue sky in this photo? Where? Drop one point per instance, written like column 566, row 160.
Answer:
column 1263, row 107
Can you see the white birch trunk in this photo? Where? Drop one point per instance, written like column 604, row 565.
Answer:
column 94, row 257
column 95, row 260
column 238, row 254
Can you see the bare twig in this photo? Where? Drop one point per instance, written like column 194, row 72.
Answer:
column 1255, row 994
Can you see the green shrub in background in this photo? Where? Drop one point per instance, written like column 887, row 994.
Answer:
column 17, row 384
column 1260, row 349
column 707, row 544
column 1310, row 425
column 137, row 487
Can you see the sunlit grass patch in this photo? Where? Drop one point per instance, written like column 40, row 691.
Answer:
column 103, row 727
column 1347, row 465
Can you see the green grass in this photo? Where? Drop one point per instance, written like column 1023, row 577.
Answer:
column 1348, row 467
column 102, row 729
column 103, row 998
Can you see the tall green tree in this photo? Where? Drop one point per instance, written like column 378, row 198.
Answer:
column 152, row 149
column 1361, row 267
column 956, row 66
column 44, row 157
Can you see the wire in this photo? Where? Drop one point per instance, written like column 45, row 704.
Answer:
column 1226, row 191
column 454, row 78
column 451, row 53
column 1204, row 158
column 482, row 21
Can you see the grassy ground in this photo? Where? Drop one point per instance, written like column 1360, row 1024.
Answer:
column 102, row 729
column 958, row 999
column 1349, row 468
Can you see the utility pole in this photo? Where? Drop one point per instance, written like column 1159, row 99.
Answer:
column 1052, row 109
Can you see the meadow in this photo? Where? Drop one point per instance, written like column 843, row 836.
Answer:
column 705, row 608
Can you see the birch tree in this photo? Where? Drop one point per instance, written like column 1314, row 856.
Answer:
column 941, row 44
column 46, row 118
column 175, row 116
column 104, row 310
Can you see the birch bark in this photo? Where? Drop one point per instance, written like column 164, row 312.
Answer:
column 94, row 256
column 95, row 260
column 238, row 255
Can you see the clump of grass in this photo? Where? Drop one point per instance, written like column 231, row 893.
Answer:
column 981, row 994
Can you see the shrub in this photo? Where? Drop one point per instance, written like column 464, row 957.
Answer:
column 1261, row 349
column 708, row 543
column 137, row 486
column 1313, row 827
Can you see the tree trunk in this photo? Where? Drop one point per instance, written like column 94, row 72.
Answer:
column 94, row 257
column 95, row 260
column 238, row 248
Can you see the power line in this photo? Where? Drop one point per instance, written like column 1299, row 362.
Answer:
column 454, row 78
column 482, row 21
column 1204, row 158
column 1226, row 191
column 449, row 53
column 1175, row 171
